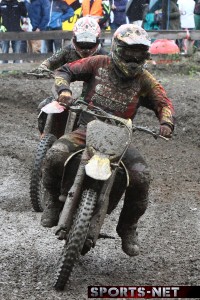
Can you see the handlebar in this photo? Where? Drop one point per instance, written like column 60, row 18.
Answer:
column 149, row 131
column 81, row 105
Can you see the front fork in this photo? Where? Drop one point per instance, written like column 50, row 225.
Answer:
column 101, row 209
column 72, row 200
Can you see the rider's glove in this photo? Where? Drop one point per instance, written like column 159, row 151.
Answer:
column 165, row 130
column 65, row 99
column 41, row 69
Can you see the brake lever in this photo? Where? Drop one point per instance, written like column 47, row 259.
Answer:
column 154, row 134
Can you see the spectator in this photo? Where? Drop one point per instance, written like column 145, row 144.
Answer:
column 135, row 11
column 149, row 20
column 186, row 8
column 173, row 16
column 173, row 19
column 39, row 13
column 173, row 22
column 197, row 20
column 26, row 26
column 60, row 12
column 119, row 12
column 10, row 15
column 99, row 9
column 2, row 29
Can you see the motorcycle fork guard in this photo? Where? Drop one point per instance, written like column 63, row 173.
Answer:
column 71, row 121
column 56, row 124
column 48, row 124
column 72, row 200
column 101, row 209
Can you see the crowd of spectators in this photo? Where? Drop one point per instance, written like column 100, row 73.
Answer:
column 43, row 15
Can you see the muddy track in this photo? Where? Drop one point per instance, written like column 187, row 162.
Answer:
column 169, row 232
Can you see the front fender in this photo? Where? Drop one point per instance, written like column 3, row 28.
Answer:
column 72, row 155
column 96, row 172
column 98, row 167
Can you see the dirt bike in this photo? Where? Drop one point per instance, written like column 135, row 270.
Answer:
column 86, row 191
column 52, row 125
column 57, row 123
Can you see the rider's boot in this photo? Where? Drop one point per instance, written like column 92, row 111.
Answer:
column 51, row 211
column 135, row 201
column 129, row 238
column 133, row 209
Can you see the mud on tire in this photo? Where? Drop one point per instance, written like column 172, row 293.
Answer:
column 36, row 186
column 77, row 236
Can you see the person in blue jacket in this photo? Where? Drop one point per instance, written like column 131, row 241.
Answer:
column 60, row 12
column 39, row 13
column 119, row 13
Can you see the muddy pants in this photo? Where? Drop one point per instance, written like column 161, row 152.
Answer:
column 136, row 195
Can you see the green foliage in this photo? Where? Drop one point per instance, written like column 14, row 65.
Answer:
column 194, row 70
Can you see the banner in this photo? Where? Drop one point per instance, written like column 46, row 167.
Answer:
column 76, row 5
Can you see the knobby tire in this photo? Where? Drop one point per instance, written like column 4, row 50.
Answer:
column 36, row 174
column 77, row 236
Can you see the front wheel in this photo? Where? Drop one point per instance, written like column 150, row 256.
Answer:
column 36, row 186
column 77, row 236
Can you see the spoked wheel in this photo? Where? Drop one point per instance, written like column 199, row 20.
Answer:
column 76, row 239
column 36, row 186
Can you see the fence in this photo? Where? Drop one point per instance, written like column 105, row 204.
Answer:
column 66, row 35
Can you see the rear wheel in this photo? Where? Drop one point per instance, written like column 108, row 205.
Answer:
column 36, row 186
column 77, row 236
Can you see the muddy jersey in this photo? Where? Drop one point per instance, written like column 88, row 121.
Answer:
column 114, row 94
column 66, row 55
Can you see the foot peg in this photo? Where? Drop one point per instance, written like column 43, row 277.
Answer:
column 62, row 198
column 87, row 246
column 61, row 233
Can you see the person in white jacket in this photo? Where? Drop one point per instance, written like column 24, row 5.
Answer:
column 186, row 8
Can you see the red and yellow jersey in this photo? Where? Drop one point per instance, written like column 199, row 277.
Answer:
column 118, row 96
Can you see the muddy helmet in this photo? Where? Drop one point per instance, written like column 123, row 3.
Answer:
column 130, row 49
column 85, row 36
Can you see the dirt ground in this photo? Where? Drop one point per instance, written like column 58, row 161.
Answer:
column 169, row 232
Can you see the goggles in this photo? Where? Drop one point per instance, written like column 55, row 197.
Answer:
column 132, row 54
column 86, row 37
column 85, row 45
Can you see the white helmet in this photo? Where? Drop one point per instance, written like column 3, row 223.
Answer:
column 86, row 33
column 130, row 48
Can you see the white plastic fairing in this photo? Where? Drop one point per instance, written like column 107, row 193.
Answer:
column 53, row 108
column 98, row 168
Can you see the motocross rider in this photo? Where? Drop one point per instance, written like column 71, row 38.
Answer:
column 115, row 84
column 85, row 42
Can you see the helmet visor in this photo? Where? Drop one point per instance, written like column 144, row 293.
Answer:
column 133, row 54
column 86, row 37
column 85, row 45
